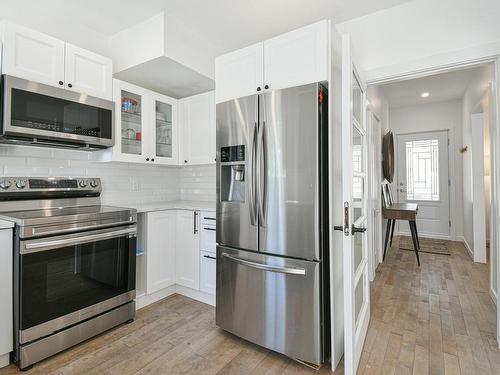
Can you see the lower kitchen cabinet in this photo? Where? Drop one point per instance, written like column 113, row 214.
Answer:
column 208, row 263
column 187, row 253
column 160, row 250
column 176, row 254
column 6, row 317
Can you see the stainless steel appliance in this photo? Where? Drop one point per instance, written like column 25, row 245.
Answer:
column 74, row 263
column 42, row 115
column 272, row 221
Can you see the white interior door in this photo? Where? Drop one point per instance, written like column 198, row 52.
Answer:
column 375, row 207
column 422, row 178
column 354, row 192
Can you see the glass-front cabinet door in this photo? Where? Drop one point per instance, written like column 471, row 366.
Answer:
column 131, row 128
column 164, row 125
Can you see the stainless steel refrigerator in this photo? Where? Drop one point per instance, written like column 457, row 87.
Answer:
column 272, row 220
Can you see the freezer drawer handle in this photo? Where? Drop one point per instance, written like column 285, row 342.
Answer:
column 266, row 267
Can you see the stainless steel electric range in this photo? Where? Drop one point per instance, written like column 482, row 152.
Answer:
column 74, row 263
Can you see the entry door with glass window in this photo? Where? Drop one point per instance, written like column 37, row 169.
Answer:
column 422, row 177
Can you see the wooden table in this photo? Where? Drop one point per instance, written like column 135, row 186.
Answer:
column 401, row 211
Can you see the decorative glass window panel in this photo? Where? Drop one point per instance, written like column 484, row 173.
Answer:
column 422, row 170
column 357, row 197
column 357, row 150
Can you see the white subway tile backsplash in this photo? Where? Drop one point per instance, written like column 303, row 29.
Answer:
column 121, row 182
column 198, row 183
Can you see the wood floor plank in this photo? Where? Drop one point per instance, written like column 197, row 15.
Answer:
column 433, row 319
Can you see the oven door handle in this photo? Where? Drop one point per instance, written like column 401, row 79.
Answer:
column 33, row 246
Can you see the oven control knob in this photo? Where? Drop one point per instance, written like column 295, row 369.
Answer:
column 83, row 183
column 21, row 184
column 93, row 183
column 5, row 184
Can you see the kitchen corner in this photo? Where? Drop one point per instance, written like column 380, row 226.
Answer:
column 176, row 249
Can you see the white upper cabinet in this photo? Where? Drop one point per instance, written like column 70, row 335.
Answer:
column 197, row 128
column 32, row 55
column 37, row 57
column 292, row 59
column 88, row 72
column 296, row 58
column 163, row 144
column 239, row 73
column 146, row 128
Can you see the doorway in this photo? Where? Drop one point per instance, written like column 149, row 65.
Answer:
column 423, row 178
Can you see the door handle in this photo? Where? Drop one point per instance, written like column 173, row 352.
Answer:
column 266, row 267
column 338, row 227
column 262, row 190
column 253, row 156
column 357, row 230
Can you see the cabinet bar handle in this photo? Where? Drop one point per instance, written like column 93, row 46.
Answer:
column 195, row 225
column 212, row 229
column 209, row 257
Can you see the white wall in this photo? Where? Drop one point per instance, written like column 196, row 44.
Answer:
column 430, row 117
column 424, row 33
column 122, row 183
column 470, row 104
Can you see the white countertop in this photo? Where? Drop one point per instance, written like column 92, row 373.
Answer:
column 170, row 205
column 4, row 224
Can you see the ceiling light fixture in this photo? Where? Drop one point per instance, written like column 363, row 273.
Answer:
column 425, row 95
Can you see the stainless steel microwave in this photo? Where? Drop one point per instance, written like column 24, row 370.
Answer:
column 42, row 115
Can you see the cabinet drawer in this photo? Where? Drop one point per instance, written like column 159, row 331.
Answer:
column 207, row 238
column 208, row 217
column 208, row 270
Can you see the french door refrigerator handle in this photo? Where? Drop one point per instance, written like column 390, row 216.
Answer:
column 262, row 187
column 253, row 156
column 266, row 267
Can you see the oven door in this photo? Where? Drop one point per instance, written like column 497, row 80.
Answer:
column 66, row 279
column 33, row 110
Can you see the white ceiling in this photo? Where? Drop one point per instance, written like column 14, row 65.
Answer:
column 441, row 87
column 225, row 24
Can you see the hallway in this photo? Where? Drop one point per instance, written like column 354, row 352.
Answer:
column 433, row 320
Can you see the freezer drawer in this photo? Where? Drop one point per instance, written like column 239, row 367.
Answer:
column 271, row 301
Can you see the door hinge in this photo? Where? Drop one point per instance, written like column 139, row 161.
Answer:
column 448, row 141
column 449, row 182
column 449, row 223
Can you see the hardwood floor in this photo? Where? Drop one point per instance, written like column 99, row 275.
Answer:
column 436, row 319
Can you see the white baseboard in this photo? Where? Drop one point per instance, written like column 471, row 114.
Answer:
column 493, row 296
column 4, row 360
column 148, row 299
column 469, row 249
column 196, row 294
column 425, row 235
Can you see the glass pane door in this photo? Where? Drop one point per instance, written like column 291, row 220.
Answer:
column 65, row 279
column 163, row 112
column 131, row 123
